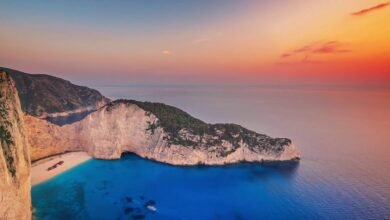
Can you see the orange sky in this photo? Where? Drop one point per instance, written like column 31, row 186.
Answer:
column 260, row 42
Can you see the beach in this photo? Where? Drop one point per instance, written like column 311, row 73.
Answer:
column 47, row 168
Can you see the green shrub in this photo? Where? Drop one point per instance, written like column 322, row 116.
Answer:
column 5, row 135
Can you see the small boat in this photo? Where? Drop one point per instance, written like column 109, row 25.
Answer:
column 151, row 208
column 55, row 165
column 52, row 167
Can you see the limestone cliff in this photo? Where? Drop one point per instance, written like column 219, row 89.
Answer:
column 130, row 126
column 151, row 130
column 50, row 97
column 15, row 185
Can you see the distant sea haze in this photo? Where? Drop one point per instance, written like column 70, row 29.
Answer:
column 343, row 173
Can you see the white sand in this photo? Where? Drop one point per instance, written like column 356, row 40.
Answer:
column 39, row 172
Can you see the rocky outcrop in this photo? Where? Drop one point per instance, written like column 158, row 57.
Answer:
column 15, row 185
column 46, row 96
column 151, row 130
column 123, row 126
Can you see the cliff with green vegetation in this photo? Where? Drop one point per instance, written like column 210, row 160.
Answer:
column 159, row 132
column 48, row 96
column 176, row 123
column 152, row 130
column 15, row 202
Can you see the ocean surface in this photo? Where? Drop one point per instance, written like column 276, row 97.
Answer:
column 343, row 135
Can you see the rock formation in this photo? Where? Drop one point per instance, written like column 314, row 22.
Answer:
column 46, row 96
column 151, row 130
column 15, row 185
column 124, row 126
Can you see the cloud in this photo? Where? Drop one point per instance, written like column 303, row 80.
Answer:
column 330, row 47
column 318, row 48
column 369, row 10
column 208, row 37
column 305, row 60
column 166, row 52
column 306, row 48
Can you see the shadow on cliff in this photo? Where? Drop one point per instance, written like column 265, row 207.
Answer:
column 286, row 169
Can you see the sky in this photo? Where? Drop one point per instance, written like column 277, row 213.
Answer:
column 199, row 42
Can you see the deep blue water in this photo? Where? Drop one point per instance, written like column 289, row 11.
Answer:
column 102, row 189
column 344, row 173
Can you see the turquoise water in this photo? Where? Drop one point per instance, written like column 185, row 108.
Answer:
column 102, row 189
column 344, row 173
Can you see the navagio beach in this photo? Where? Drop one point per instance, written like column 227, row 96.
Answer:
column 47, row 168
column 194, row 110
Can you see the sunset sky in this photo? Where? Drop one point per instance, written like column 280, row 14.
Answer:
column 202, row 41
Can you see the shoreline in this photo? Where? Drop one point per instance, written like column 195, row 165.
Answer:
column 40, row 172
column 68, row 160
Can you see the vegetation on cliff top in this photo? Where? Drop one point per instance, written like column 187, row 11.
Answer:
column 40, row 93
column 5, row 135
column 174, row 121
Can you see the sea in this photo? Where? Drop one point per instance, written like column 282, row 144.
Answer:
column 343, row 134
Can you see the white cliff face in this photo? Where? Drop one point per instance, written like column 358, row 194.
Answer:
column 113, row 130
column 106, row 134
column 47, row 139
column 15, row 184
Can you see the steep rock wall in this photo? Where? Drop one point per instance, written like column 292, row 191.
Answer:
column 47, row 96
column 115, row 129
column 15, row 184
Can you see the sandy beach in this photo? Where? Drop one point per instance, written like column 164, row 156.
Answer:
column 40, row 172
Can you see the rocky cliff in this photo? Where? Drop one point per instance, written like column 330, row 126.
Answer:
column 15, row 202
column 155, row 131
column 151, row 130
column 50, row 97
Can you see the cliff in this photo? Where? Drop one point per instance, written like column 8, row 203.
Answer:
column 155, row 131
column 15, row 202
column 49, row 97
column 151, row 130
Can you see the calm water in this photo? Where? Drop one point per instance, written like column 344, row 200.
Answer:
column 343, row 135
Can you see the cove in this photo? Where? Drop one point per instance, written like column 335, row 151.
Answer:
column 121, row 189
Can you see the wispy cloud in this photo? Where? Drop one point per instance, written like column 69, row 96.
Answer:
column 328, row 47
column 166, row 52
column 311, row 53
column 371, row 9
column 208, row 37
column 285, row 55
